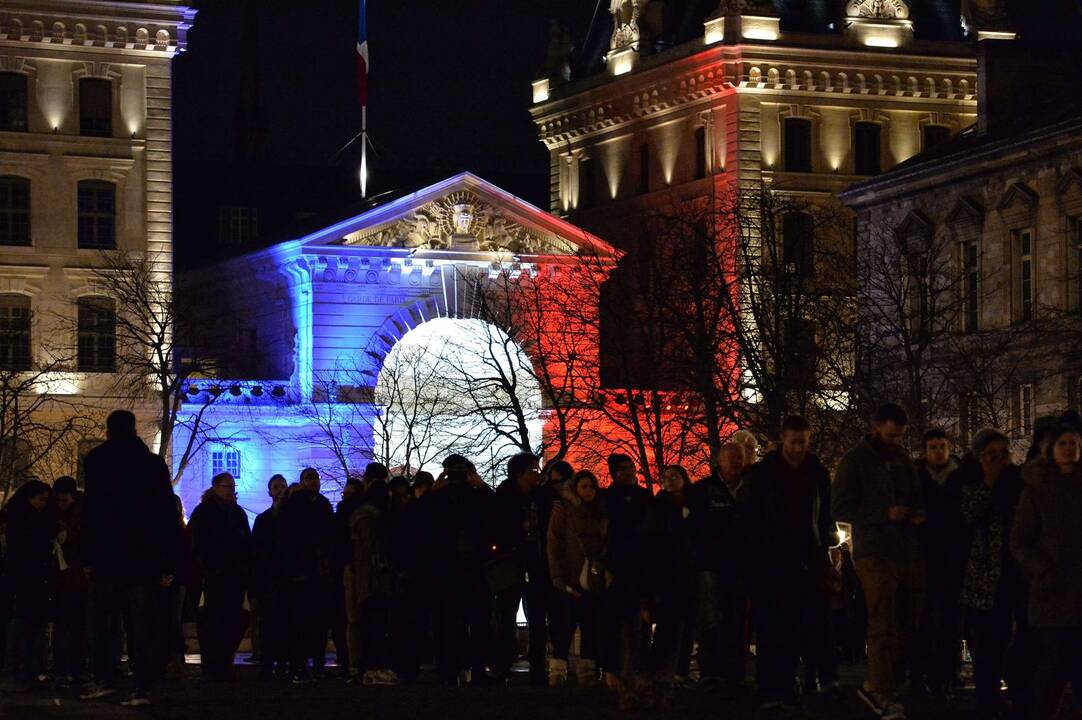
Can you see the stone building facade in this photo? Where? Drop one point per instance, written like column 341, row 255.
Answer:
column 85, row 169
column 1005, row 199
column 748, row 99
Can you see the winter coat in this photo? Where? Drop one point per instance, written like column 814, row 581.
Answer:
column 671, row 558
column 308, row 535
column 129, row 513
column 460, row 514
column 627, row 541
column 991, row 576
column 576, row 531
column 715, row 527
column 869, row 481
column 372, row 572
column 945, row 537
column 221, row 540
column 783, row 545
column 1047, row 542
column 516, row 526
column 28, row 566
column 72, row 574
column 268, row 548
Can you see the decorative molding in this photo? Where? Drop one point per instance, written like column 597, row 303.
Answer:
column 22, row 279
column 625, row 23
column 965, row 211
column 83, row 281
column 915, row 225
column 1073, row 177
column 1017, row 193
column 877, row 9
column 158, row 27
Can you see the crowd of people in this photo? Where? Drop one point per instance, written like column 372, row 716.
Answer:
column 620, row 586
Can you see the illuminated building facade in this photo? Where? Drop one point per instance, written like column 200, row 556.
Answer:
column 85, row 168
column 689, row 100
column 327, row 314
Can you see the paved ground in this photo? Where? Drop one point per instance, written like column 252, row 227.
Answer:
column 186, row 697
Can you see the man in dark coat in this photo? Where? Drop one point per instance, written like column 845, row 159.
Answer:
column 222, row 546
column 785, row 509
column 268, row 585
column 129, row 549
column 308, row 532
column 722, row 591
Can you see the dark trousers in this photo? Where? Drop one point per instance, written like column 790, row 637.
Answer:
column 464, row 635
column 570, row 613
column 938, row 648
column 106, row 605
column 1061, row 662
column 722, row 613
column 332, row 595
column 375, row 635
column 27, row 648
column 789, row 618
column 276, row 627
column 534, row 598
column 670, row 629
column 221, row 626
column 69, row 633
column 988, row 633
column 622, row 631
column 410, row 623
column 307, row 633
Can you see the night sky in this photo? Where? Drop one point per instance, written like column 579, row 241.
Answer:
column 449, row 86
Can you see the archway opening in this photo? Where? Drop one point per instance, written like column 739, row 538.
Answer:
column 456, row 386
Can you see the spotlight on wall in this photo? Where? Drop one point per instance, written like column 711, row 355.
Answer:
column 257, row 391
column 215, row 390
column 278, row 391
column 235, row 391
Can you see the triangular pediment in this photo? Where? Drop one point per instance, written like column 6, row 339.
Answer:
column 1018, row 198
column 966, row 210
column 463, row 214
column 914, row 225
column 1070, row 182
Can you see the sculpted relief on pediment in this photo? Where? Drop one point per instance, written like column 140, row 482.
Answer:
column 877, row 9
column 461, row 221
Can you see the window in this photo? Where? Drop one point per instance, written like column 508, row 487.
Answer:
column 866, row 148
column 798, row 244
column 238, row 225
column 1023, row 242
column 802, row 349
column 95, row 107
column 14, row 211
column 798, row 141
column 1025, row 410
column 700, row 153
column 97, row 335
column 97, row 215
column 644, row 169
column 1074, row 247
column 14, row 332
column 587, row 183
column 12, row 102
column 935, row 135
column 971, row 264
column 225, row 460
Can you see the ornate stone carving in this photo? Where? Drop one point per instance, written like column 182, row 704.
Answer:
column 625, row 23
column 877, row 9
column 461, row 221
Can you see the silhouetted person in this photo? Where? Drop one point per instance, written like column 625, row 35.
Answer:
column 269, row 584
column 31, row 529
column 69, row 630
column 129, row 538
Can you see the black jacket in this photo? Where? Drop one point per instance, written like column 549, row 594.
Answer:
column 516, row 525
column 944, row 534
column 129, row 513
column 671, row 550
column 460, row 534
column 308, row 534
column 715, row 526
column 268, row 549
column 221, row 541
column 783, row 543
column 628, row 508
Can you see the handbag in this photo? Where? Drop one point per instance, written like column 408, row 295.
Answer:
column 503, row 572
column 595, row 576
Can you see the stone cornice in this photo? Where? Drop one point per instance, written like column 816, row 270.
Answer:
column 159, row 28
column 755, row 69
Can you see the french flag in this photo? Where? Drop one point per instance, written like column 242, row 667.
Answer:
column 362, row 55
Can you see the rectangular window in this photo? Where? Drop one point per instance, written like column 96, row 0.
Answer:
column 12, row 102
column 97, row 335
column 1023, row 242
column 97, row 215
column 1074, row 247
column 1025, row 410
column 238, row 225
column 225, row 460
column 798, row 244
column 935, row 135
column 14, row 211
column 700, row 153
column 798, row 145
column 644, row 169
column 971, row 267
column 866, row 148
column 95, row 107
column 14, row 332
column 587, row 182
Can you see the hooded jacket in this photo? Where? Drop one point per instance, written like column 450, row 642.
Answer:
column 1047, row 542
column 576, row 531
column 870, row 480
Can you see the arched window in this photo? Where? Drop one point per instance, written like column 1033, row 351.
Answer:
column 95, row 107
column 97, row 215
column 97, row 335
column 14, row 332
column 14, row 210
column 12, row 102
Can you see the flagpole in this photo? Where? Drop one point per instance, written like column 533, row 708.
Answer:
column 364, row 151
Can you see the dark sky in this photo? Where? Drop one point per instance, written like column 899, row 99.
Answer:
column 449, row 85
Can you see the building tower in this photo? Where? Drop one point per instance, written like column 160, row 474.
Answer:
column 85, row 168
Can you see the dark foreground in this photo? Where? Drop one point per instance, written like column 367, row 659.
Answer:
column 186, row 697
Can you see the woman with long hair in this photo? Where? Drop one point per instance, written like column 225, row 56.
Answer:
column 28, row 571
column 1047, row 542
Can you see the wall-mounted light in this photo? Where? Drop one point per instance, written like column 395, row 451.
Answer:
column 541, row 90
